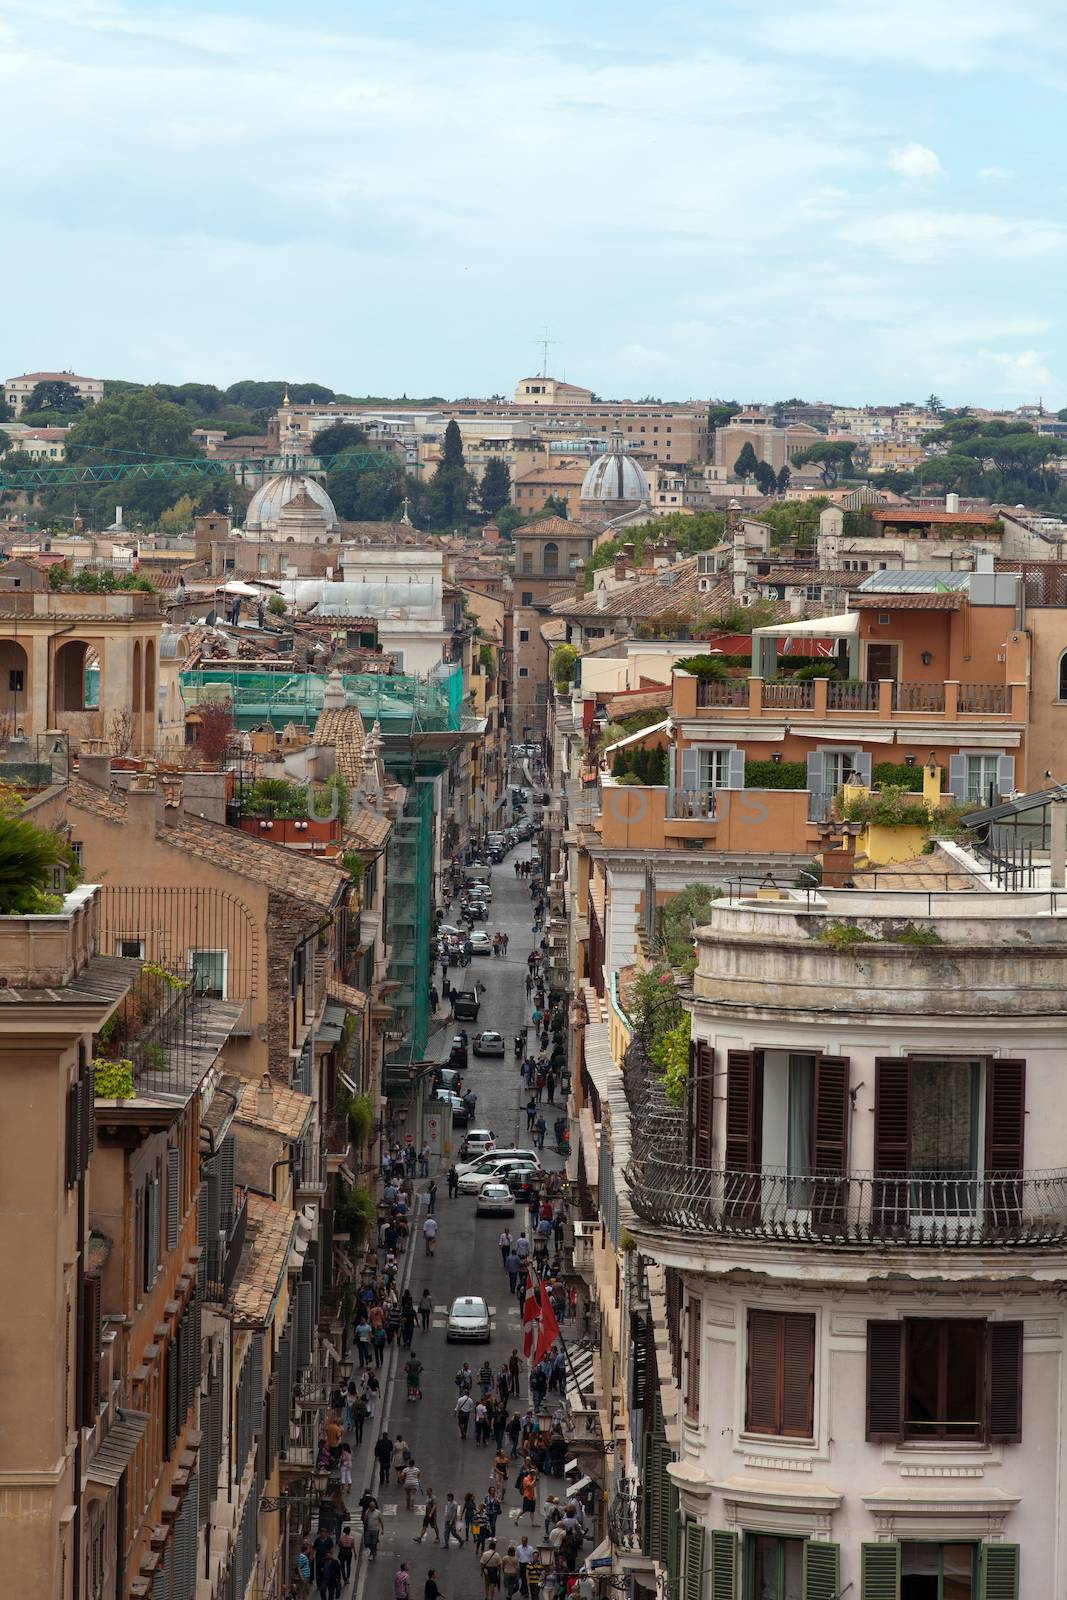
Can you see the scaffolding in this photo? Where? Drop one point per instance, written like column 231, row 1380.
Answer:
column 410, row 903
column 399, row 702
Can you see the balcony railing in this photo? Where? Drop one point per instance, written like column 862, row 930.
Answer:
column 691, row 805
column 921, row 696
column 712, row 693
column 985, row 698
column 916, row 1211
column 789, row 696
column 222, row 1256
column 851, row 696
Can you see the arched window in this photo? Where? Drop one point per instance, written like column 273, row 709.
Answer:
column 1061, row 687
column 550, row 559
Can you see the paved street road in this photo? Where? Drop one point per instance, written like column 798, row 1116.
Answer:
column 467, row 1262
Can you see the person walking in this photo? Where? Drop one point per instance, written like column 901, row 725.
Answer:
column 346, row 1549
column 430, row 1591
column 453, row 1182
column 363, row 1333
column 330, row 1578
column 464, row 1407
column 468, row 1511
column 505, row 1246
column 540, row 1127
column 345, row 1464
column 451, row 1519
column 424, row 1161
column 410, row 1478
column 528, row 1489
column 373, row 1528
column 429, row 1519
column 429, row 1230
column 514, row 1371
column 425, row 1310
column 510, row 1572
column 513, row 1263
column 431, row 1197
column 402, row 1582
column 383, row 1454
column 481, row 1423
column 491, row 1564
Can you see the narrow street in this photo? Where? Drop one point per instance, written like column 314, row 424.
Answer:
column 467, row 1262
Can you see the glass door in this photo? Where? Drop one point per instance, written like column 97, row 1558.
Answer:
column 937, row 1571
column 774, row 1567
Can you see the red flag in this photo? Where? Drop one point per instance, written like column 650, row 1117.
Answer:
column 548, row 1327
column 531, row 1314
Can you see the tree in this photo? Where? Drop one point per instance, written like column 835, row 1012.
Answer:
column 795, row 519
column 494, row 491
column 5, row 410
column 509, row 518
column 783, row 479
column 179, row 517
column 452, row 486
column 564, row 659
column 370, row 493
column 5, row 441
column 720, row 414
column 766, row 478
column 554, row 506
column 337, row 438
column 935, row 404
column 131, row 427
column 747, row 461
column 56, row 396
column 830, row 456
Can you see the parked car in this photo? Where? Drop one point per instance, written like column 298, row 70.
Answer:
column 477, row 910
column 457, row 1056
column 465, row 1005
column 477, row 1143
column 448, row 930
column 468, row 1318
column 476, row 1174
column 488, row 1043
column 483, row 945
column 495, row 1200
column 482, row 1162
column 449, row 1078
column 480, row 891
column 456, row 1104
column 520, row 1177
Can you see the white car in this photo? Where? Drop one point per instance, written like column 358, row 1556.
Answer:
column 468, row 1318
column 480, row 891
column 481, row 1163
column 479, row 1142
column 471, row 1182
column 495, row 1200
column 481, row 943
column 488, row 1043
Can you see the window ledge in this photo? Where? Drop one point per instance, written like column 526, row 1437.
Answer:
column 804, row 1512
column 961, row 1514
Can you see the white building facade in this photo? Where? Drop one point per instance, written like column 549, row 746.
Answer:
column 865, row 1204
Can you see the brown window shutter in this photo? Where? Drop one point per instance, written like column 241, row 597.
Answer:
column 744, row 1109
column 91, row 1329
column 702, row 1102
column 892, row 1140
column 1005, row 1116
column 829, row 1139
column 764, row 1329
column 885, row 1380
column 798, row 1376
column 692, row 1359
column 1004, row 1382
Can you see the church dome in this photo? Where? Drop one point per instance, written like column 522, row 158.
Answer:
column 266, row 504
column 614, row 476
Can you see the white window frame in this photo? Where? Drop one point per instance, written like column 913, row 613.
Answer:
column 715, row 766
column 984, row 756
column 122, row 939
column 206, row 950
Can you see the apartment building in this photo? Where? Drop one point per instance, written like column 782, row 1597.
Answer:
column 560, row 478
column 862, row 1400
column 548, row 554
column 669, row 434
column 777, row 446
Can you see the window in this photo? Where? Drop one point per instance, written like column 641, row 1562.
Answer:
column 1061, row 691
column 524, row 635
column 982, row 784
column 550, row 557
column 527, row 563
column 132, row 949
column 715, row 769
column 16, row 680
column 950, row 1379
column 774, row 1567
column 780, row 1381
column 524, row 672
column 527, row 595
column 692, row 1360
column 938, row 1571
column 209, row 971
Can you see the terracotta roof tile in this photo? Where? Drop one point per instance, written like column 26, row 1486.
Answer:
column 264, row 1259
column 290, row 1111
column 917, row 515
column 346, row 995
column 366, row 829
column 344, row 729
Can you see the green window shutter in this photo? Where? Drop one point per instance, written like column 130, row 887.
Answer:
column 723, row 1565
column 673, row 1551
column 999, row 1569
column 822, row 1570
column 694, row 1561
column 646, row 1494
column 881, row 1572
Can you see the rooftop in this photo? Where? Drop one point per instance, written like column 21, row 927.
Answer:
column 288, row 1112
column 264, row 1259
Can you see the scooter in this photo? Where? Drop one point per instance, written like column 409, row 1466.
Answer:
column 520, row 1046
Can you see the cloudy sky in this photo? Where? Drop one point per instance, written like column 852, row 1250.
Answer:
column 840, row 199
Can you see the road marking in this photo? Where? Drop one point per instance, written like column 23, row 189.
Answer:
column 440, row 1310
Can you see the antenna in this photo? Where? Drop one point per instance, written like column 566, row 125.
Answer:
column 544, row 343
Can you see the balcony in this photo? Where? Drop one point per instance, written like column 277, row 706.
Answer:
column 916, row 1211
column 221, row 1258
column 852, row 699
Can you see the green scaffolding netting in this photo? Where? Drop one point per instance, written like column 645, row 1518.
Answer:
column 398, row 702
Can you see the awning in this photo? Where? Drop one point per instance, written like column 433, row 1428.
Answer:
column 328, row 1033
column 580, row 1376
column 600, row 1557
column 845, row 626
column 635, row 738
column 350, row 1083
column 110, row 1461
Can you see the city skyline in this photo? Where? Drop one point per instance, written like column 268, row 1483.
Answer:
column 848, row 208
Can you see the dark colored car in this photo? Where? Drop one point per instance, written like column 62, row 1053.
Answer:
column 465, row 1005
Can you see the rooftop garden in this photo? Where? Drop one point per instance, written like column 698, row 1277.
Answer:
column 35, row 863
column 280, row 798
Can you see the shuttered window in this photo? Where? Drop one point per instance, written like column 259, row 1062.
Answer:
column 944, row 1379
column 256, row 1381
column 693, row 1588
column 80, row 1126
column 780, row 1380
column 999, row 1572
column 227, row 1207
column 692, row 1359
column 723, row 1565
column 822, row 1570
column 701, row 1102
column 174, row 1195
column 880, row 1572
column 89, row 1313
column 744, row 1133
column 303, row 1324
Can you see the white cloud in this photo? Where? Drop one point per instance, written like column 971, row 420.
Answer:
column 936, row 235
column 995, row 175
column 916, row 161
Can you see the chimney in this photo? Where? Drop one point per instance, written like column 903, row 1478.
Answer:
column 952, row 502
column 838, row 865
column 265, row 1099
column 95, row 769
column 579, row 580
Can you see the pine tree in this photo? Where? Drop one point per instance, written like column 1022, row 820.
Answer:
column 494, row 491
column 747, row 461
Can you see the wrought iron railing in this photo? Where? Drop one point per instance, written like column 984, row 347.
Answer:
column 900, row 1208
column 988, row 698
column 851, row 696
column 221, row 1257
column 624, row 1517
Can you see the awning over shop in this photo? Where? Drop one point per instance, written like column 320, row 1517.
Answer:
column 113, row 1456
